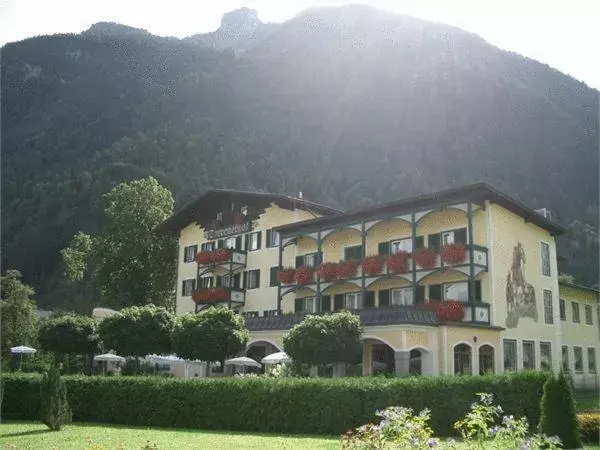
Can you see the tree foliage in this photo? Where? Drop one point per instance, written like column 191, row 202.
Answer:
column 558, row 416
column 138, row 331
column 213, row 335
column 69, row 334
column 18, row 312
column 128, row 262
column 330, row 338
column 55, row 407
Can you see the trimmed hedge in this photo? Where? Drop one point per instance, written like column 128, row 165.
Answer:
column 589, row 427
column 287, row 405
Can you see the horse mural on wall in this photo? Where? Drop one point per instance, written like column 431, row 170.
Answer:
column 520, row 295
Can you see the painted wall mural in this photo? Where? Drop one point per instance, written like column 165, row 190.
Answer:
column 520, row 295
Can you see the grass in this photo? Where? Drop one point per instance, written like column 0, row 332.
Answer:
column 30, row 435
column 586, row 401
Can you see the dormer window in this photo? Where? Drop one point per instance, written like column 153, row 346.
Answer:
column 220, row 217
column 244, row 210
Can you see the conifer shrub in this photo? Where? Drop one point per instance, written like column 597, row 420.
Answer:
column 55, row 408
column 589, row 427
column 558, row 417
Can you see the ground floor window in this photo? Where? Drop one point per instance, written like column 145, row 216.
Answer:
column 415, row 362
column 565, row 358
column 545, row 356
column 510, row 355
column 486, row 359
column 402, row 296
column 591, row 359
column 462, row 360
column 353, row 300
column 528, row 355
column 384, row 359
column 578, row 357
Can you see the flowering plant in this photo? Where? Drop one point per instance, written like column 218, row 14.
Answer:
column 327, row 271
column 304, row 275
column 425, row 257
column 448, row 310
column 454, row 253
column 213, row 256
column 286, row 276
column 346, row 269
column 372, row 265
column 398, row 262
column 209, row 295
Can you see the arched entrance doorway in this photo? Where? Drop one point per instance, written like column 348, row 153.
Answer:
column 378, row 357
column 415, row 362
column 486, row 359
column 462, row 359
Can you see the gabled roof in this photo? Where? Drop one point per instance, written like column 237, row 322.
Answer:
column 478, row 192
column 578, row 286
column 190, row 212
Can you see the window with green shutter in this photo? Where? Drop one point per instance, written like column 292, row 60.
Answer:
column 326, row 303
column 419, row 242
column 420, row 295
column 369, row 299
column 384, row 297
column 274, row 276
column 435, row 292
column 353, row 252
column 338, row 302
column 384, row 248
column 299, row 261
column 434, row 242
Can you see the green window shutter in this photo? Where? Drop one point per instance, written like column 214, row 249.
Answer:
column 274, row 276
column 460, row 236
column 246, row 242
column 268, row 244
column 238, row 243
column 183, row 287
column 420, row 295
column 435, row 292
column 299, row 261
column 434, row 242
column 384, row 248
column 220, row 243
column 319, row 258
column 369, row 299
column 477, row 291
column 338, row 302
column 237, row 278
column 259, row 239
column 419, row 242
column 257, row 278
column 219, row 281
column 384, row 298
column 298, row 305
column 326, row 303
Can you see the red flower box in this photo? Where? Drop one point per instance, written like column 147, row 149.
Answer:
column 304, row 275
column 372, row 265
column 398, row 262
column 424, row 257
column 346, row 269
column 213, row 256
column 327, row 271
column 454, row 253
column 449, row 310
column 210, row 295
column 286, row 276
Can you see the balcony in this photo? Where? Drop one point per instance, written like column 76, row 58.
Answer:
column 422, row 261
column 211, row 296
column 223, row 259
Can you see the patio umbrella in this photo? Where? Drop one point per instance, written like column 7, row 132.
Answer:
column 21, row 350
column 108, row 357
column 276, row 358
column 164, row 359
column 243, row 361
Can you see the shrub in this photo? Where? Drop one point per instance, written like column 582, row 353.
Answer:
column 589, row 427
column 286, row 405
column 55, row 408
column 558, row 416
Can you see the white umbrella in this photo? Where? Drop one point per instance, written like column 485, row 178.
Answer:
column 164, row 359
column 109, row 357
column 276, row 358
column 22, row 350
column 243, row 361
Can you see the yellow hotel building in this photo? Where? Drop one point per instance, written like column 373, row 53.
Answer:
column 463, row 281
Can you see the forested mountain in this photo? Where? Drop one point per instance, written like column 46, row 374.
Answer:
column 350, row 105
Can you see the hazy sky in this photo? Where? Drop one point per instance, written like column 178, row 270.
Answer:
column 562, row 33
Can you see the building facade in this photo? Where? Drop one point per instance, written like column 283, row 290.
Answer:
column 463, row 281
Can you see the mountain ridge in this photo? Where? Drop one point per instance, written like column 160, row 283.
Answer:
column 352, row 106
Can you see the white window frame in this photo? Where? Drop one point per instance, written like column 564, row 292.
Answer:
column 515, row 365
column 445, row 297
column 312, row 257
column 309, row 304
column 253, row 275
column 450, row 235
column 220, row 217
column 209, row 283
column 207, row 246
column 575, row 307
column 548, row 307
column 229, row 242
column 404, row 245
column 593, row 352
column 533, row 366
column 586, row 309
column 564, row 351
column 562, row 309
column 545, row 246
column 244, row 210
column 549, row 356
column 187, row 250
column 274, row 239
column 575, row 348
column 353, row 300
column 188, row 282
column 253, row 241
column 402, row 297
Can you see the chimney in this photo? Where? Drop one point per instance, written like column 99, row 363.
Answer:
column 545, row 212
column 300, row 195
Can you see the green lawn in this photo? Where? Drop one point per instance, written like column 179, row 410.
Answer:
column 28, row 435
column 587, row 401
